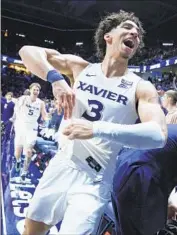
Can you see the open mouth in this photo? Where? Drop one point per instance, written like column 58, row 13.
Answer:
column 129, row 43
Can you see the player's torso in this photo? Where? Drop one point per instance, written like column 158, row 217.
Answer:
column 29, row 111
column 108, row 99
column 100, row 98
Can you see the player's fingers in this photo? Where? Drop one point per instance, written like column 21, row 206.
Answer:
column 70, row 105
column 73, row 99
column 66, row 131
column 59, row 106
column 71, row 136
column 65, row 105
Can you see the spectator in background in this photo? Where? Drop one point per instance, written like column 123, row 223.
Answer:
column 7, row 113
column 8, row 108
column 3, row 101
column 56, row 117
column 160, row 91
column 170, row 103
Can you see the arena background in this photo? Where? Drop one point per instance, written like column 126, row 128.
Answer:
column 68, row 26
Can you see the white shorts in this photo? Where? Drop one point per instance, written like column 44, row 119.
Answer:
column 25, row 137
column 69, row 194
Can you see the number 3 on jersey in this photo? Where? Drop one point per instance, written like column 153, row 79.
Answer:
column 96, row 110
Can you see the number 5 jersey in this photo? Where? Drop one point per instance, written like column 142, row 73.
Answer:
column 27, row 112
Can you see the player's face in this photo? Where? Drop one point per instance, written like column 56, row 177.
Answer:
column 124, row 39
column 9, row 97
column 35, row 91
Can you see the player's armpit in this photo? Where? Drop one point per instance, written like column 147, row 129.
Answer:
column 149, row 108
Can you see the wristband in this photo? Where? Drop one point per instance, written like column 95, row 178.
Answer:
column 54, row 76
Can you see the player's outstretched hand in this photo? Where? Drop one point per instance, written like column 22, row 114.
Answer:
column 65, row 98
column 79, row 129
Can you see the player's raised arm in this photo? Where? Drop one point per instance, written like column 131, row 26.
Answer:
column 40, row 61
column 49, row 65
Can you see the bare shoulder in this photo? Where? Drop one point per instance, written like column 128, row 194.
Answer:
column 68, row 64
column 146, row 89
column 76, row 64
column 21, row 98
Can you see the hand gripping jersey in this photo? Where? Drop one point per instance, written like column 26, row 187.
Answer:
column 100, row 98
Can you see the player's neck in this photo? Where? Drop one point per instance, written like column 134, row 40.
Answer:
column 112, row 67
column 33, row 98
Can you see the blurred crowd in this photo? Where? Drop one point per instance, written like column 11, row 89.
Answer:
column 11, row 44
column 18, row 82
column 153, row 55
column 164, row 82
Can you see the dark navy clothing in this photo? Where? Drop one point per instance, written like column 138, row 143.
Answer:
column 3, row 101
column 141, row 186
column 8, row 110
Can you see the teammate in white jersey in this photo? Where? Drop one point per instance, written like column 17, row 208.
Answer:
column 75, row 187
column 27, row 111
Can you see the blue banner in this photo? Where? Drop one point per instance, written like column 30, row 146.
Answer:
column 162, row 64
column 137, row 69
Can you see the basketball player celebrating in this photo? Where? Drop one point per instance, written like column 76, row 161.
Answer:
column 27, row 111
column 75, row 188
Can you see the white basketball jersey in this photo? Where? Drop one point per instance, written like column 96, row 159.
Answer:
column 100, row 99
column 27, row 112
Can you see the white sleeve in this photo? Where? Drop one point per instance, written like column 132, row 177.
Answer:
column 146, row 135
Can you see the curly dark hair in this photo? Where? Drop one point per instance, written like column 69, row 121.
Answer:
column 112, row 21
